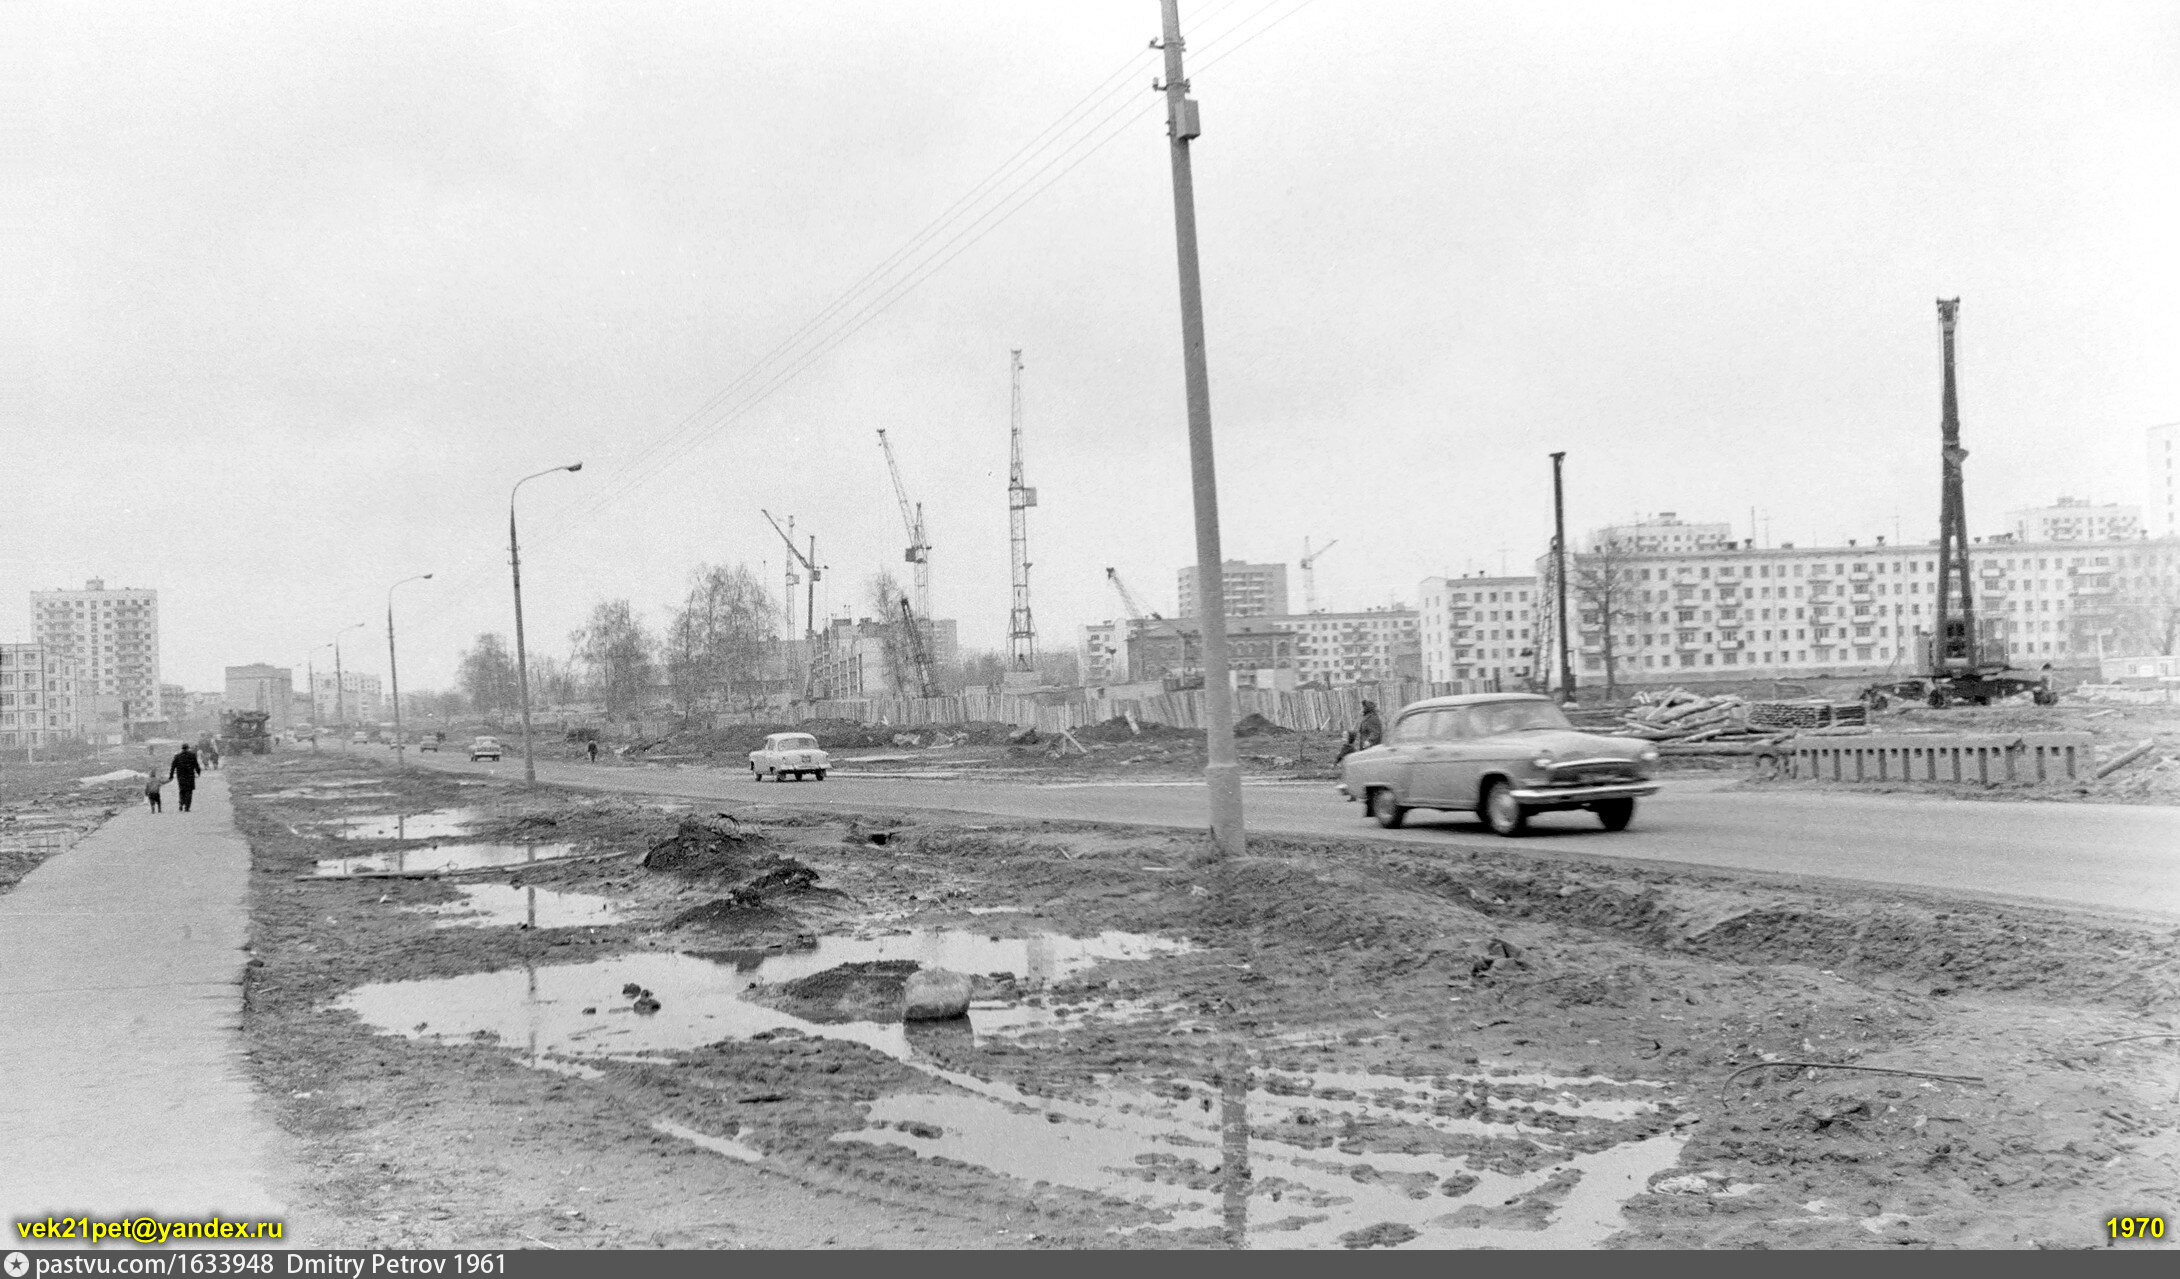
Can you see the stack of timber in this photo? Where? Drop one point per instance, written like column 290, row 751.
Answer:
column 1686, row 723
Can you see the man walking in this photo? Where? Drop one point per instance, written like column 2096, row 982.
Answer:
column 184, row 772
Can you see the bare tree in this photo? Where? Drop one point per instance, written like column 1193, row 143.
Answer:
column 882, row 592
column 716, row 643
column 486, row 672
column 616, row 652
column 1602, row 589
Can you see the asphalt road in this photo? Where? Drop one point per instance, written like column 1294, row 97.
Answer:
column 2108, row 857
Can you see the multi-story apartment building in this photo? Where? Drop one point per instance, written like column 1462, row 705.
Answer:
column 1102, row 650
column 37, row 697
column 1479, row 627
column 259, row 687
column 2164, row 479
column 2073, row 519
column 1355, row 648
column 1855, row 610
column 1252, row 590
column 1260, row 651
column 868, row 658
column 111, row 637
column 173, row 703
column 354, row 699
column 1662, row 533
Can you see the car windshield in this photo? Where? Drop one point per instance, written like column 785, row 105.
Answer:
column 796, row 743
column 1494, row 718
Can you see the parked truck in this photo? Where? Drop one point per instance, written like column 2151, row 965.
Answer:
column 243, row 732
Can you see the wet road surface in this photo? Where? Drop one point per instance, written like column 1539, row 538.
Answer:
column 2112, row 857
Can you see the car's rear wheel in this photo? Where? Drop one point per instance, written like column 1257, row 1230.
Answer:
column 821, row 774
column 1502, row 812
column 1385, row 809
column 1615, row 813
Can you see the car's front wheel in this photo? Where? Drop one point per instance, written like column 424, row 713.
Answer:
column 1385, row 809
column 820, row 774
column 1615, row 813
column 1502, row 812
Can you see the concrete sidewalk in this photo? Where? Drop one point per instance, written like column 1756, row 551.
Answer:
column 122, row 1088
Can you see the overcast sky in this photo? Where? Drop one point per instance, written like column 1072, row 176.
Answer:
column 305, row 288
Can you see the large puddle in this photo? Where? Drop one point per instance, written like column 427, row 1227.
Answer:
column 441, row 824
column 504, row 905
column 1428, row 1181
column 444, row 857
column 579, row 1010
column 1166, row 1150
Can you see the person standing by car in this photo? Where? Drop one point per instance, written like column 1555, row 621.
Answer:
column 184, row 771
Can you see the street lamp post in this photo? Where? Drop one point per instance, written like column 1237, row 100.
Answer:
column 393, row 667
column 340, row 703
column 522, row 662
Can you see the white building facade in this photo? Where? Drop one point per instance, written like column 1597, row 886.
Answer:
column 1252, row 590
column 1478, row 627
column 37, row 697
column 1664, row 534
column 2073, row 519
column 1354, row 648
column 2164, row 479
column 1857, row 610
column 355, row 699
column 111, row 639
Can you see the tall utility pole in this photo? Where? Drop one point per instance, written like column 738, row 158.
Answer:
column 1222, row 770
column 522, row 660
column 393, row 666
column 1559, row 570
column 787, row 596
column 1956, row 636
column 1021, row 630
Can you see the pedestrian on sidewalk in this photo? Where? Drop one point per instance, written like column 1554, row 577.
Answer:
column 151, row 788
column 209, row 748
column 184, row 771
column 593, row 750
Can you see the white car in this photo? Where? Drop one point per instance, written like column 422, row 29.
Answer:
column 484, row 748
column 786, row 755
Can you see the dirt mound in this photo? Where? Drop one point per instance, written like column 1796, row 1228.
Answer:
column 710, row 848
column 867, row 991
column 737, row 914
column 1255, row 725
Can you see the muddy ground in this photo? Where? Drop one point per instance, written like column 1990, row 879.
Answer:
column 698, row 1044
column 45, row 807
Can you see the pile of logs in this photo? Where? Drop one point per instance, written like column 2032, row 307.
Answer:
column 1680, row 716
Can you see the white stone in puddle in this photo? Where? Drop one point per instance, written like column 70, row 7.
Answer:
column 504, row 905
column 539, row 1009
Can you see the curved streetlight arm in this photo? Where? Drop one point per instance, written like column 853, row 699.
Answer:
column 393, row 665
column 522, row 663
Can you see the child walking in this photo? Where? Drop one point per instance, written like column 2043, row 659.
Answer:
column 151, row 789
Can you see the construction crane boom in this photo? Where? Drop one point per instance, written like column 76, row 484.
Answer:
column 1127, row 597
column 919, row 652
column 808, row 563
column 1309, row 572
column 919, row 547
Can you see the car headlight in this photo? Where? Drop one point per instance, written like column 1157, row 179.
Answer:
column 1649, row 755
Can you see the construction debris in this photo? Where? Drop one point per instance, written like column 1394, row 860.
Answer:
column 2141, row 748
column 1680, row 717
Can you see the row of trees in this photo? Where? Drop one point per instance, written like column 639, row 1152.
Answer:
column 716, row 652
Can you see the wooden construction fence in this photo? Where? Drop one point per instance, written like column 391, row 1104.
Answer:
column 1320, row 710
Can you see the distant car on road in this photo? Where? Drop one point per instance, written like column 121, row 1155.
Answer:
column 359, row 737
column 484, row 748
column 787, row 755
column 1504, row 756
column 430, row 741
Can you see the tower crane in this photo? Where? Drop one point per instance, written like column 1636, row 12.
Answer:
column 919, row 547
column 1309, row 572
column 809, row 566
column 1021, row 631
